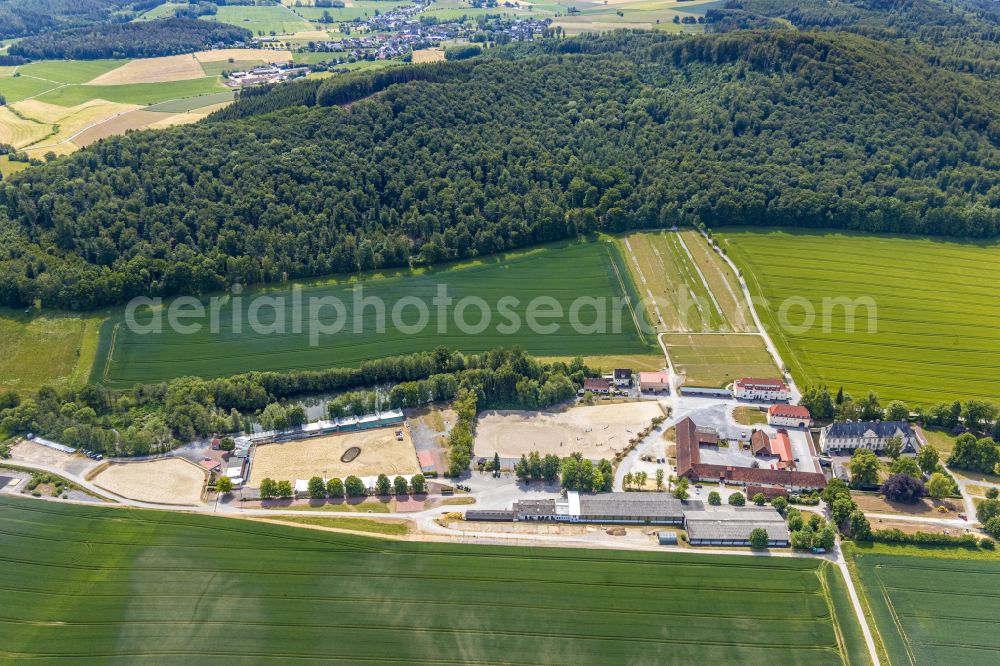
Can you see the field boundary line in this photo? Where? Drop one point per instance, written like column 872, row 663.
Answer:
column 741, row 303
column 768, row 342
column 111, row 351
column 625, row 293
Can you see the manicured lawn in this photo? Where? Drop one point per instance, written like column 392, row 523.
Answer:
column 99, row 585
column 931, row 606
column 355, row 524
column 935, row 325
column 558, row 273
column 749, row 416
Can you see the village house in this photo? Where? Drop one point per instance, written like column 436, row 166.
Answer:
column 598, row 385
column 622, row 377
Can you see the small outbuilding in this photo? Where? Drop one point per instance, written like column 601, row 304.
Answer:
column 667, row 538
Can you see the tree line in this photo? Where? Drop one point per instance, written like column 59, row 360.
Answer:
column 143, row 39
column 150, row 418
column 633, row 131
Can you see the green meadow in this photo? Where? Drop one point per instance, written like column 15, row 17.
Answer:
column 260, row 19
column 935, row 331
column 934, row 609
column 559, row 273
column 132, row 93
column 85, row 584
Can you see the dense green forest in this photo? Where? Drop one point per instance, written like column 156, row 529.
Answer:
column 963, row 35
column 558, row 138
column 145, row 39
column 31, row 17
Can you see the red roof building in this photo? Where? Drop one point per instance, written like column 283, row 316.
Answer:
column 794, row 416
column 690, row 438
column 597, row 385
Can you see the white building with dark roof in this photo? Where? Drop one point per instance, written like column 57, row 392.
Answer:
column 871, row 435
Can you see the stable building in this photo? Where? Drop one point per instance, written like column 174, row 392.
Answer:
column 731, row 526
column 788, row 416
column 769, row 390
column 608, row 508
column 652, row 382
column 872, row 435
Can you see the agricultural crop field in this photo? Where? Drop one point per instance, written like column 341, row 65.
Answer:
column 716, row 360
column 936, row 314
column 560, row 273
column 85, row 585
column 932, row 610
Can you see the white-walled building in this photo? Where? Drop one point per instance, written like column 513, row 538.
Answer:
column 871, row 435
column 750, row 388
column 788, row 416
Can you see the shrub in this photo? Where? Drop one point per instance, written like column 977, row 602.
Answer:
column 903, row 488
column 335, row 488
column 924, row 538
column 758, row 538
column 714, row 498
column 737, row 499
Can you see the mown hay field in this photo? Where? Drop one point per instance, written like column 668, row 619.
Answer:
column 54, row 349
column 559, row 272
column 932, row 610
column 715, row 360
column 936, row 316
column 675, row 286
column 88, row 584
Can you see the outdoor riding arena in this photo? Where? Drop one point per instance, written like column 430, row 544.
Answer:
column 381, row 453
column 163, row 481
column 596, row 431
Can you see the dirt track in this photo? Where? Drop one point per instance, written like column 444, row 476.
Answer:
column 164, row 481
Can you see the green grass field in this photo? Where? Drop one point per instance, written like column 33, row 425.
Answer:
column 100, row 585
column 562, row 272
column 189, row 103
column 935, row 609
column 48, row 349
column 69, row 71
column 132, row 93
column 715, row 360
column 260, row 20
column 937, row 329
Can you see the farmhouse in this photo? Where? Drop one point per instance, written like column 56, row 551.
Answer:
column 597, row 385
column 622, row 377
column 871, row 435
column 790, row 416
column 654, row 381
column 691, row 437
column 731, row 526
column 750, row 388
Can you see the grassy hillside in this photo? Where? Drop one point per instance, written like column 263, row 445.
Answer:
column 936, row 317
column 95, row 584
column 634, row 131
column 560, row 273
